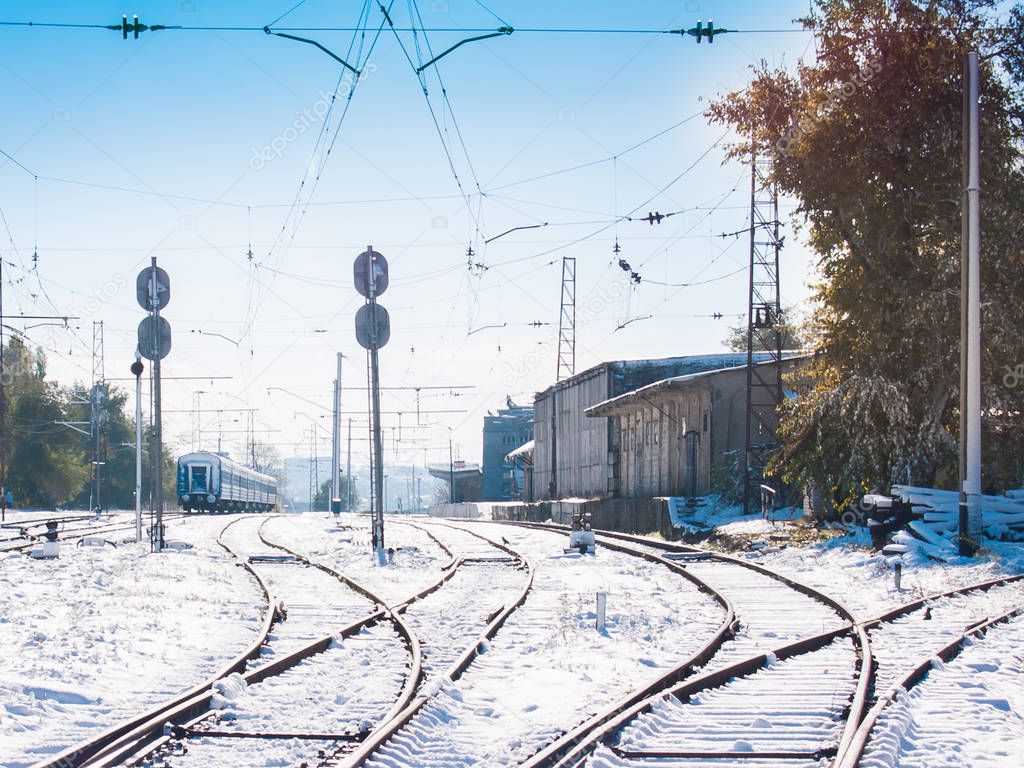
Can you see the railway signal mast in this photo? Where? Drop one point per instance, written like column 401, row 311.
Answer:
column 153, row 291
column 373, row 330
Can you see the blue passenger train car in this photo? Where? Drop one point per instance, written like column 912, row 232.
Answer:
column 210, row 482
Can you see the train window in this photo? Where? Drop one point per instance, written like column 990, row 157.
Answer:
column 198, row 484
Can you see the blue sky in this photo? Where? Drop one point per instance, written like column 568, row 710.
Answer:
column 190, row 145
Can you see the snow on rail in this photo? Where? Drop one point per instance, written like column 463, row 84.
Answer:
column 548, row 667
column 348, row 689
column 790, row 707
column 346, row 548
column 969, row 711
column 906, row 640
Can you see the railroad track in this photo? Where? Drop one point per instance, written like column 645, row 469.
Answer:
column 977, row 693
column 415, row 561
column 789, row 678
column 15, row 534
column 517, row 684
column 802, row 621
column 798, row 704
column 273, row 699
column 350, row 650
column 411, row 721
column 137, row 730
column 449, row 622
column 909, row 639
column 30, row 533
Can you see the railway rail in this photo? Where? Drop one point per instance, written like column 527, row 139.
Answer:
column 26, row 536
column 910, row 638
column 197, row 726
column 407, row 718
column 799, row 704
column 790, row 677
column 198, row 731
column 418, row 741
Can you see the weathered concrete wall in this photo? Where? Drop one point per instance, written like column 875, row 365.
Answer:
column 626, row 515
column 467, row 509
column 579, row 443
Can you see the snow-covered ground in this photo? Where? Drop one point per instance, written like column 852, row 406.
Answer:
column 345, row 546
column 100, row 634
column 846, row 568
column 104, row 633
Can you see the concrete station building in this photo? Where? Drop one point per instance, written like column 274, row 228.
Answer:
column 627, row 432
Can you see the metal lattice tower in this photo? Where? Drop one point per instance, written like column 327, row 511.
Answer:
column 764, row 330
column 567, row 321
column 97, row 411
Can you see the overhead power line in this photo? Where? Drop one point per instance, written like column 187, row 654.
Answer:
column 135, row 27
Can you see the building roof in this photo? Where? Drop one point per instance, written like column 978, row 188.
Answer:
column 526, row 449
column 630, row 374
column 636, row 396
column 459, row 470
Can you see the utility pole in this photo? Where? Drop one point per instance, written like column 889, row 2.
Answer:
column 158, row 438
column 764, row 318
column 378, row 445
column 969, row 517
column 3, row 407
column 348, row 470
column 336, row 444
column 451, row 468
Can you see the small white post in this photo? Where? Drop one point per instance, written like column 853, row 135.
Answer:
column 897, row 576
column 602, row 600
